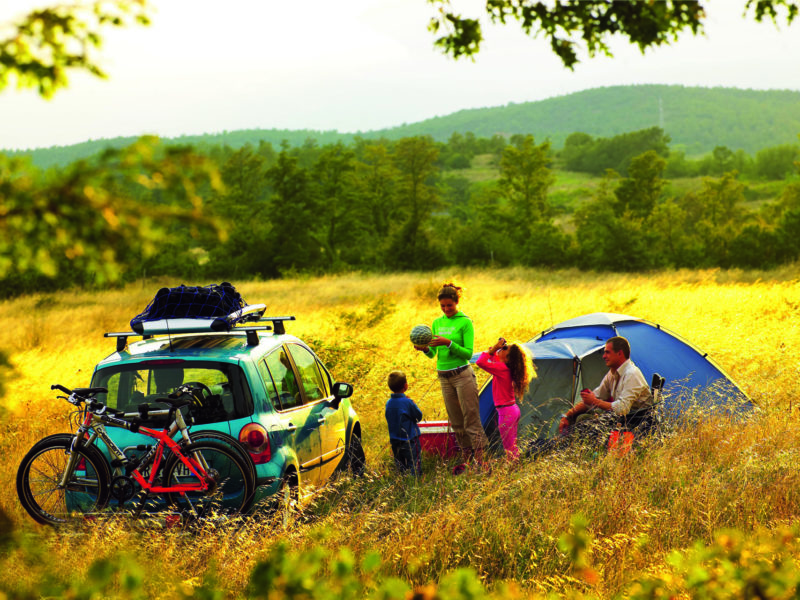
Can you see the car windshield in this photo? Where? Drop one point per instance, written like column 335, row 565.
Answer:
column 225, row 395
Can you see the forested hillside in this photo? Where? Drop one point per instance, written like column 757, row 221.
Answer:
column 696, row 119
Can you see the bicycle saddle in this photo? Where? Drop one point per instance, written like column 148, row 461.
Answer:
column 172, row 402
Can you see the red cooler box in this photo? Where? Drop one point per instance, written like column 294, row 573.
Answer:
column 436, row 437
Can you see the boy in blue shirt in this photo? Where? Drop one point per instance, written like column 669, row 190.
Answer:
column 402, row 416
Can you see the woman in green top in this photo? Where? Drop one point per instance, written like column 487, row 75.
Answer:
column 452, row 345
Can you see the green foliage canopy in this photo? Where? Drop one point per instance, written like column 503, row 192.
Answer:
column 152, row 210
column 525, row 178
column 40, row 49
column 94, row 216
column 583, row 153
column 568, row 24
column 411, row 245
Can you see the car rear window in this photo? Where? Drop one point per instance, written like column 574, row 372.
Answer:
column 226, row 393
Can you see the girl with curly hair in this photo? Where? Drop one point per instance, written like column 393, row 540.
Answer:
column 512, row 369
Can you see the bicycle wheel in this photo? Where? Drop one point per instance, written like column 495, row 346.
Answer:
column 232, row 489
column 230, row 441
column 40, row 475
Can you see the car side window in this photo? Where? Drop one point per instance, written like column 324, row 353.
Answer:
column 326, row 379
column 310, row 377
column 285, row 383
column 269, row 384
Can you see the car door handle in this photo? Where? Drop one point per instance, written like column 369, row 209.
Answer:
column 291, row 427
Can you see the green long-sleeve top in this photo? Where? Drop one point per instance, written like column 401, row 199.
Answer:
column 458, row 329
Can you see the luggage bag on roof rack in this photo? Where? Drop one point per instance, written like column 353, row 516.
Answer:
column 185, row 308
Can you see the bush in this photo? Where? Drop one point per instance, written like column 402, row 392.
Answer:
column 734, row 565
column 776, row 162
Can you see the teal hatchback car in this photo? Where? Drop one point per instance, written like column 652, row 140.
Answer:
column 260, row 386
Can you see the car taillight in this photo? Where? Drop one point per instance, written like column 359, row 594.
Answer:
column 255, row 438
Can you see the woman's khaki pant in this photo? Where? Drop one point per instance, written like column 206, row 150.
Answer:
column 460, row 394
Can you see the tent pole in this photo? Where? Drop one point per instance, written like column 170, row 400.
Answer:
column 576, row 370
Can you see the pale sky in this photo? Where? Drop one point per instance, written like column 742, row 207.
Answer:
column 208, row 66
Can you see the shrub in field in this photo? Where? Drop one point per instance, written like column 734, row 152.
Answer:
column 735, row 565
column 288, row 575
column 117, row 576
column 314, row 574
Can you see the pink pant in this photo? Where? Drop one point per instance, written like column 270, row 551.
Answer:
column 507, row 422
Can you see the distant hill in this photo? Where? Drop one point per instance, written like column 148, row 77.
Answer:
column 696, row 118
column 56, row 156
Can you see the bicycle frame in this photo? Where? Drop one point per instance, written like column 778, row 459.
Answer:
column 93, row 427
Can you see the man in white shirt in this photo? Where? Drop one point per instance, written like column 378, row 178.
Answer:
column 623, row 389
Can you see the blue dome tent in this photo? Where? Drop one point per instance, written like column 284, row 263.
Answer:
column 568, row 358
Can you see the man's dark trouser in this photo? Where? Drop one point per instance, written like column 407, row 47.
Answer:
column 595, row 430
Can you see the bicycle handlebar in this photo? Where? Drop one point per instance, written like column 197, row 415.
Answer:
column 100, row 410
column 114, row 417
column 83, row 394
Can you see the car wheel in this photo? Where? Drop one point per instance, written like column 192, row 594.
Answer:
column 355, row 460
column 287, row 501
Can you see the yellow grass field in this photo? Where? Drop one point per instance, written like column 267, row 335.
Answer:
column 504, row 526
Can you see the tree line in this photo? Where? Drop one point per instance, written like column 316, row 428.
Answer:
column 408, row 204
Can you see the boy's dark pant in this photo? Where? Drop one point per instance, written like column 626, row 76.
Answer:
column 407, row 455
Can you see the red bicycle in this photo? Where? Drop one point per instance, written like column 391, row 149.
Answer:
column 65, row 476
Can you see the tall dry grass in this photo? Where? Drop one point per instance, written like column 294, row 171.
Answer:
column 707, row 476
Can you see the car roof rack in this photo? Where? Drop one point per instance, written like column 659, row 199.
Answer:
column 175, row 326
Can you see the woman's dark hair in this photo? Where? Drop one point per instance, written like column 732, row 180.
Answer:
column 521, row 368
column 450, row 290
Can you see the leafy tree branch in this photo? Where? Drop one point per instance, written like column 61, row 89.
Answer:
column 96, row 215
column 569, row 25
column 41, row 49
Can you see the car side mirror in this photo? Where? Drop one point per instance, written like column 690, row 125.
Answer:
column 340, row 391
